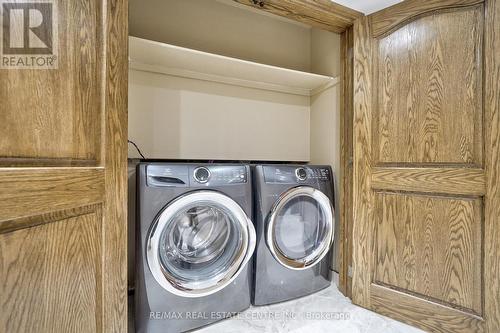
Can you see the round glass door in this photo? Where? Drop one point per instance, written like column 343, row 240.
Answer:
column 199, row 244
column 300, row 228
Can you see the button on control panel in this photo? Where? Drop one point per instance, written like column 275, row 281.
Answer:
column 321, row 174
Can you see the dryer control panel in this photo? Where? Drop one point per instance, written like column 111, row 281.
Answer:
column 296, row 174
column 172, row 175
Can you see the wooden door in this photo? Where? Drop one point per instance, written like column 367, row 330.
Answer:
column 63, row 140
column 427, row 164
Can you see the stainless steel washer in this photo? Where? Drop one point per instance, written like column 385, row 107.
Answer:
column 195, row 242
column 295, row 225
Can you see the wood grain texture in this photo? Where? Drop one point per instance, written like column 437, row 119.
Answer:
column 430, row 246
column 69, row 275
column 391, row 18
column 492, row 164
column 434, row 260
column 49, row 277
column 457, row 181
column 55, row 114
column 423, row 83
column 362, row 198
column 26, row 192
column 114, row 281
column 427, row 315
column 346, row 158
column 322, row 14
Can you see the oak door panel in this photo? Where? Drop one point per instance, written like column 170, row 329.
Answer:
column 429, row 94
column 63, row 157
column 61, row 108
column 50, row 276
column 430, row 246
column 426, row 164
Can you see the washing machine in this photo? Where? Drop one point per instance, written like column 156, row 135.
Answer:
column 195, row 241
column 294, row 219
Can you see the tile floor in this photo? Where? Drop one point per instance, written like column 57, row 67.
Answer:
column 301, row 315
column 339, row 315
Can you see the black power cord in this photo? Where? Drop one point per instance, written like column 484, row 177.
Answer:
column 137, row 148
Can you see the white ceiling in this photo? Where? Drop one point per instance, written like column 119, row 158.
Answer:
column 367, row 6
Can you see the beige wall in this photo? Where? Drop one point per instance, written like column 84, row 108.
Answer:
column 178, row 118
column 325, row 52
column 215, row 27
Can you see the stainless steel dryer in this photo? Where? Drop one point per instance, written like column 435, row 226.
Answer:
column 195, row 240
column 295, row 226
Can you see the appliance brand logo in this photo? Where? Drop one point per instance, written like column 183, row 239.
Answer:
column 29, row 34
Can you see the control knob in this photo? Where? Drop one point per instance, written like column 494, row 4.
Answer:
column 301, row 174
column 201, row 175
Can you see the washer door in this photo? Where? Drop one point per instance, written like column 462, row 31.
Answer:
column 300, row 228
column 199, row 244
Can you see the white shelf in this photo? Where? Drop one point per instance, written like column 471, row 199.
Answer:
column 150, row 56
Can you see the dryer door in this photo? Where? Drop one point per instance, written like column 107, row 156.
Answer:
column 199, row 244
column 300, row 228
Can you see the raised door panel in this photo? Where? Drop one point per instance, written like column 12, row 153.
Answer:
column 50, row 275
column 430, row 247
column 54, row 115
column 429, row 95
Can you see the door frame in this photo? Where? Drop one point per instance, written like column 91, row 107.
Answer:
column 114, row 160
column 346, row 161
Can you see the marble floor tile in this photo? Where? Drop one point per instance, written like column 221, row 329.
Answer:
column 327, row 311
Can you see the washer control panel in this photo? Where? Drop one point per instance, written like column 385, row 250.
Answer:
column 219, row 175
column 184, row 175
column 296, row 174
